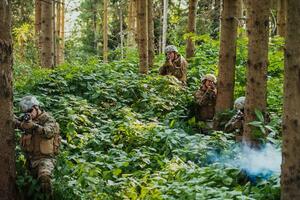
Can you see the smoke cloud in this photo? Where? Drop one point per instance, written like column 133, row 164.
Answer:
column 263, row 162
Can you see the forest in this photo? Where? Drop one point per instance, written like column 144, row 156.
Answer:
column 149, row 99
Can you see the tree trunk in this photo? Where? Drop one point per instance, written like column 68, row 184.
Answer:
column 165, row 25
column 190, row 46
column 227, row 55
column 54, row 32
column 121, row 30
column 291, row 106
column 47, row 34
column 243, row 15
column 281, row 17
column 62, row 34
column 258, row 33
column 161, row 8
column 7, row 141
column 150, row 34
column 131, row 23
column 38, row 23
column 143, row 36
column 58, row 26
column 95, row 33
column 215, row 17
column 105, row 31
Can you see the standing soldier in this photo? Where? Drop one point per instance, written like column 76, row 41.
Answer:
column 205, row 98
column 236, row 123
column 175, row 64
column 40, row 141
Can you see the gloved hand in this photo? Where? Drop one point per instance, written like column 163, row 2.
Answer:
column 17, row 123
column 27, row 125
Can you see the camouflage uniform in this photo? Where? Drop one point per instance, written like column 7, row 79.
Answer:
column 205, row 103
column 177, row 68
column 40, row 145
column 236, row 123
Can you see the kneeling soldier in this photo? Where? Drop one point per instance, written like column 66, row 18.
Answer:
column 40, row 141
column 205, row 98
column 236, row 123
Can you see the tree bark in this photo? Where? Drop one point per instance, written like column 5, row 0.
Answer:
column 258, row 34
column 57, row 30
column 7, row 141
column 47, row 34
column 94, row 6
column 62, row 34
column 281, row 17
column 121, row 30
column 190, row 46
column 105, row 31
column 131, row 23
column 165, row 25
column 291, row 106
column 161, row 8
column 227, row 55
column 143, row 36
column 54, row 32
column 150, row 34
column 38, row 24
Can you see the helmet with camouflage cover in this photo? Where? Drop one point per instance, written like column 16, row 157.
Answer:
column 28, row 102
column 239, row 103
column 210, row 77
column 171, row 48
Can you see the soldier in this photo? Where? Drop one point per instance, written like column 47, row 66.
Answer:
column 40, row 141
column 205, row 98
column 175, row 64
column 236, row 123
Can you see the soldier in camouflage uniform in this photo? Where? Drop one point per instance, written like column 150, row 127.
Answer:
column 205, row 98
column 236, row 123
column 40, row 141
column 174, row 65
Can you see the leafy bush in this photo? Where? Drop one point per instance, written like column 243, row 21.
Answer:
column 129, row 136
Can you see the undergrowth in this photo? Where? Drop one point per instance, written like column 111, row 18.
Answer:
column 130, row 136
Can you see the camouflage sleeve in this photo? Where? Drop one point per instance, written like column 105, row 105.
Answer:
column 16, row 122
column 49, row 129
column 163, row 69
column 204, row 98
column 236, row 122
column 198, row 96
column 229, row 127
column 184, row 71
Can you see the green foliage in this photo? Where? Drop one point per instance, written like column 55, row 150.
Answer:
column 24, row 43
column 129, row 136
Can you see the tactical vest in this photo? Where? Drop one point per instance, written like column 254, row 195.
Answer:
column 38, row 146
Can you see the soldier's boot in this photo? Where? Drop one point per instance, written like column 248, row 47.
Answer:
column 46, row 186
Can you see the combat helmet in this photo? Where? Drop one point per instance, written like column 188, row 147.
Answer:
column 28, row 102
column 210, row 77
column 171, row 48
column 239, row 103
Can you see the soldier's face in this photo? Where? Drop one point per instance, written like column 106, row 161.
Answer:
column 171, row 56
column 209, row 83
column 33, row 113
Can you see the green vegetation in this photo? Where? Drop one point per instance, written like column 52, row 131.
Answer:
column 129, row 136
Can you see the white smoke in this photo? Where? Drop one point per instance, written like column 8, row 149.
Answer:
column 263, row 162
